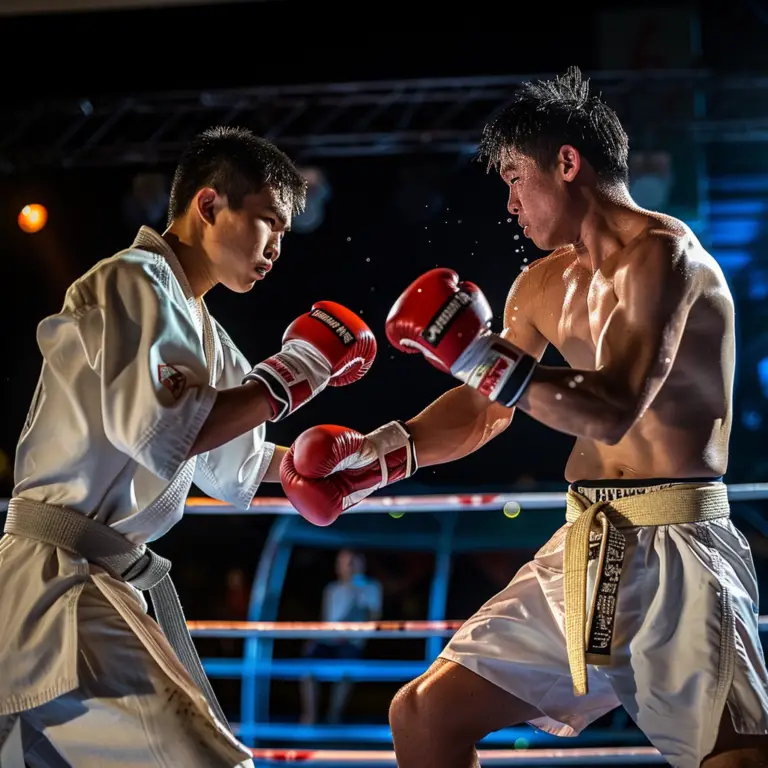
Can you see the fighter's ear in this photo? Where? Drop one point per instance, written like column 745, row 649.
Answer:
column 205, row 204
column 569, row 162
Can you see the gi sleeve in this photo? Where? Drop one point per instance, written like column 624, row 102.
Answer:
column 155, row 394
column 233, row 472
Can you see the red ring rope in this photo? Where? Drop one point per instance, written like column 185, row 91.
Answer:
column 582, row 755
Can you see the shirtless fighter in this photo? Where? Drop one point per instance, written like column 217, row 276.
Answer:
column 141, row 393
column 646, row 597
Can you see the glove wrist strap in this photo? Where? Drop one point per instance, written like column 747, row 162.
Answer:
column 396, row 451
column 413, row 462
column 292, row 377
column 496, row 368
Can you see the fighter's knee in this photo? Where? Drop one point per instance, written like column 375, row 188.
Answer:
column 414, row 705
column 403, row 707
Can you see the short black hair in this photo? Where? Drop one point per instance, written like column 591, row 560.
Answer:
column 544, row 115
column 236, row 163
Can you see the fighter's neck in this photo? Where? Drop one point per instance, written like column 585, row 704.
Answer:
column 193, row 262
column 607, row 228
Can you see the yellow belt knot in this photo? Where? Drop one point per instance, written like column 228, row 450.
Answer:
column 589, row 635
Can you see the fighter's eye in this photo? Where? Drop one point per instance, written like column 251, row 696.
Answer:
column 512, row 181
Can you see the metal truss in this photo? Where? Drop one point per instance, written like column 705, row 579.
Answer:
column 444, row 115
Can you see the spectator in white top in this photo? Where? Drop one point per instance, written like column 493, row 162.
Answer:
column 352, row 597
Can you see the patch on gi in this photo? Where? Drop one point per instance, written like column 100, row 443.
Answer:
column 172, row 379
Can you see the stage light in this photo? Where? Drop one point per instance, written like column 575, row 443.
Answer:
column 32, row 218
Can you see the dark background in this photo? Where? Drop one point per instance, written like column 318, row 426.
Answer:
column 388, row 217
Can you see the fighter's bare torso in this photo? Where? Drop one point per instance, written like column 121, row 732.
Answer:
column 685, row 431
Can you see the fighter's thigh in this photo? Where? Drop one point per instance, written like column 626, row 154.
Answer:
column 454, row 699
column 734, row 749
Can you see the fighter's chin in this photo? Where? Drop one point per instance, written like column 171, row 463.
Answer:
column 541, row 243
column 534, row 237
column 547, row 243
column 240, row 285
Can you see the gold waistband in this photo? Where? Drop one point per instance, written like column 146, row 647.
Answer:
column 677, row 505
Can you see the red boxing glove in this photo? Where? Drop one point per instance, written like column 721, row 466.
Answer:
column 439, row 317
column 448, row 322
column 328, row 346
column 330, row 469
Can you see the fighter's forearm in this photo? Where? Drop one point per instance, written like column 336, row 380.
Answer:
column 455, row 425
column 578, row 403
column 235, row 412
column 273, row 470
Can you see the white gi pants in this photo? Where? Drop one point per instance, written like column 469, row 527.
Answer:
column 126, row 712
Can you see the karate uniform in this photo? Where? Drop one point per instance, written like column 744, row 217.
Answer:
column 131, row 365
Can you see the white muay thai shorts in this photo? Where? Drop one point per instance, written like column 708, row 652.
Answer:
column 670, row 632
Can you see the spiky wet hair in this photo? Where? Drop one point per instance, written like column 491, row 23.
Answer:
column 545, row 115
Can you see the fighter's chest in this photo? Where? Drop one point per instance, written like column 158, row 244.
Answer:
column 581, row 316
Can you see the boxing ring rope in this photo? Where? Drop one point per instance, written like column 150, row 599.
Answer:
column 332, row 630
column 324, row 630
column 426, row 502
column 257, row 666
column 435, row 502
column 541, row 757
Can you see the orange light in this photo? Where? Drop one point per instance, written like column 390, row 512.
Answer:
column 32, row 218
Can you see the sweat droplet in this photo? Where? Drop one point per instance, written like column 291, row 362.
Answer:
column 558, row 396
column 516, row 237
column 368, row 259
column 578, row 378
column 508, row 222
column 348, row 239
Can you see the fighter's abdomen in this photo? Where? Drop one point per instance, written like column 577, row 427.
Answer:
column 670, row 440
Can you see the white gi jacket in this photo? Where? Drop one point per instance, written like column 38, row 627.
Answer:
column 130, row 368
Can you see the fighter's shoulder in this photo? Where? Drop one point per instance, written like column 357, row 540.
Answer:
column 670, row 249
column 534, row 277
column 127, row 267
